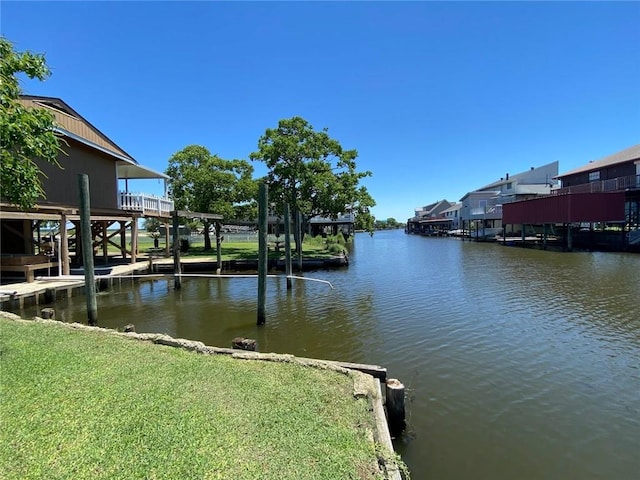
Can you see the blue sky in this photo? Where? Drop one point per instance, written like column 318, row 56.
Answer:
column 439, row 98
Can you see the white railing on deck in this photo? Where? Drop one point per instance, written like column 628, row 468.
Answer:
column 145, row 203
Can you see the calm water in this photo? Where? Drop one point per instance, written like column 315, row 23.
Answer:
column 518, row 363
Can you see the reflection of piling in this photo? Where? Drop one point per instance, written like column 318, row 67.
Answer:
column 395, row 406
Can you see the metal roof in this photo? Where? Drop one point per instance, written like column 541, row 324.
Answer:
column 626, row 155
column 529, row 176
column 71, row 123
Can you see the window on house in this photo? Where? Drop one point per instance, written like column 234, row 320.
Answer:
column 594, row 176
column 509, row 185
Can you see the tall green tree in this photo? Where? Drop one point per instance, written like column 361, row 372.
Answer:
column 26, row 133
column 205, row 183
column 313, row 173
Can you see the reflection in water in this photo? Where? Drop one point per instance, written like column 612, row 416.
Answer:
column 519, row 363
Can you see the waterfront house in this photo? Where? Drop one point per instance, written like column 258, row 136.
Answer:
column 596, row 207
column 481, row 210
column 114, row 210
column 452, row 214
column 430, row 219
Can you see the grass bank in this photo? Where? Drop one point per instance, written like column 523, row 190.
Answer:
column 90, row 404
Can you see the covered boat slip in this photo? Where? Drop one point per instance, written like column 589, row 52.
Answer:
column 569, row 220
column 29, row 242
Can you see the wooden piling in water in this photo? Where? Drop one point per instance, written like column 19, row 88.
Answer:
column 218, row 247
column 395, row 406
column 263, row 196
column 287, row 245
column 87, row 248
column 176, row 252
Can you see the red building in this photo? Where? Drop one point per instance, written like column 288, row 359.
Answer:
column 596, row 207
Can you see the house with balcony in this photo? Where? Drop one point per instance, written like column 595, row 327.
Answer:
column 114, row 210
column 430, row 219
column 481, row 211
column 596, row 207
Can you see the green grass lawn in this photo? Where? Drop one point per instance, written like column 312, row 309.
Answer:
column 311, row 248
column 85, row 404
column 249, row 251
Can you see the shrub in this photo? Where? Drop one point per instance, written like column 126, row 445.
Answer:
column 335, row 248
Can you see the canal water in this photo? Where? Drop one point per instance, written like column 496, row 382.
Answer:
column 518, row 363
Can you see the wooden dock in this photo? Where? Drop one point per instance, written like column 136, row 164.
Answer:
column 46, row 290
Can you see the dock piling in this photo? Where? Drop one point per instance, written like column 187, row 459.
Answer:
column 87, row 248
column 395, row 406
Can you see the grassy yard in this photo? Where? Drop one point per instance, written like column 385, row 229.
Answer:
column 85, row 404
column 249, row 251
column 317, row 247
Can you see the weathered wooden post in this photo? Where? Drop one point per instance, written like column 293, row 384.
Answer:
column 134, row 239
column 287, row 245
column 176, row 252
column 64, row 244
column 166, row 239
column 105, row 243
column 87, row 249
column 219, row 246
column 299, row 243
column 395, row 406
column 263, row 195
column 123, row 239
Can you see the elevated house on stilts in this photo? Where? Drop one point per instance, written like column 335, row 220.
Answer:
column 597, row 207
column 27, row 248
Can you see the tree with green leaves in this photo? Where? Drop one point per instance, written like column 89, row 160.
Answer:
column 313, row 174
column 26, row 133
column 200, row 182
